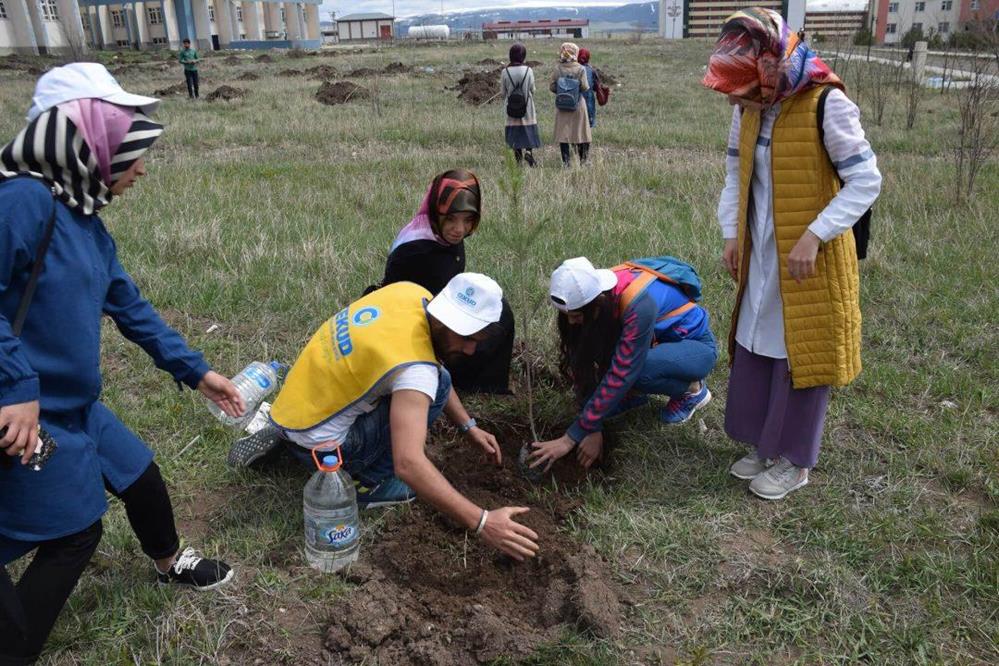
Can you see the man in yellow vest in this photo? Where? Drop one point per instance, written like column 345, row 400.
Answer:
column 371, row 381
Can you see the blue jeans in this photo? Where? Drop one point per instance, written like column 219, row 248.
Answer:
column 670, row 367
column 367, row 449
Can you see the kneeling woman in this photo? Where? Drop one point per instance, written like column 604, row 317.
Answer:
column 627, row 333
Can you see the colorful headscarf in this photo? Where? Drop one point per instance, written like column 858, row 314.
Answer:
column 518, row 53
column 80, row 148
column 759, row 58
column 445, row 195
column 568, row 52
column 584, row 56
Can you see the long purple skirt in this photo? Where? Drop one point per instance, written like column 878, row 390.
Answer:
column 765, row 411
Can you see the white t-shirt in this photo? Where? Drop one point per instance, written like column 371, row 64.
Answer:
column 422, row 377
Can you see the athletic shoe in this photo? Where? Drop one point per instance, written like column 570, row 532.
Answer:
column 749, row 466
column 248, row 450
column 195, row 571
column 779, row 480
column 629, row 403
column 389, row 492
column 679, row 410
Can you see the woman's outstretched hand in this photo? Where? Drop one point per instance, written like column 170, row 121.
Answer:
column 546, row 453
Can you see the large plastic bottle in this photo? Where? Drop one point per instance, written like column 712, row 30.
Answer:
column 255, row 382
column 332, row 523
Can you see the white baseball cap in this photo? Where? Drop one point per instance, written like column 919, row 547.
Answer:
column 576, row 283
column 83, row 80
column 469, row 303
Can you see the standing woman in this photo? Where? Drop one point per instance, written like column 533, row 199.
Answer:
column 83, row 145
column 517, row 84
column 572, row 126
column 787, row 223
column 430, row 250
column 593, row 80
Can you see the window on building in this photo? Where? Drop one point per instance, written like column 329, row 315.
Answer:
column 242, row 35
column 159, row 40
column 891, row 28
column 239, row 13
column 3, row 10
column 892, row 7
column 943, row 28
column 85, row 19
column 50, row 10
column 211, row 12
column 155, row 15
column 117, row 21
column 282, row 14
column 122, row 42
column 917, row 26
column 920, row 6
column 947, row 5
column 974, row 5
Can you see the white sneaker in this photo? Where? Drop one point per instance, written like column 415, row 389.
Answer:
column 779, row 480
column 749, row 466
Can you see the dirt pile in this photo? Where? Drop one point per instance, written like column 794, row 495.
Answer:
column 340, row 92
column 247, row 76
column 264, row 57
column 169, row 91
column 290, row 72
column 605, row 78
column 533, row 63
column 479, row 87
column 397, row 68
column 231, row 60
column 226, row 94
column 362, row 73
column 425, row 595
column 489, row 61
column 321, row 72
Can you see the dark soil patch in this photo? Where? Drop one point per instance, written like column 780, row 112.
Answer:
column 426, row 595
column 533, row 63
column 247, row 76
column 397, row 68
column 604, row 77
column 321, row 72
column 340, row 92
column 479, row 87
column 290, row 72
column 226, row 94
column 362, row 72
column 489, row 61
column 231, row 60
column 169, row 91
column 264, row 57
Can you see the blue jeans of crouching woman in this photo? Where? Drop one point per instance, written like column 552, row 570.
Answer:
column 670, row 367
column 367, row 449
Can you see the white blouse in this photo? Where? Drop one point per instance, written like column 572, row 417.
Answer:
column 761, row 320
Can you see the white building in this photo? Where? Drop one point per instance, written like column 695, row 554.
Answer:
column 373, row 25
column 40, row 26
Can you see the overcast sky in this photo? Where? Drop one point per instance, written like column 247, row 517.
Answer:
column 405, row 8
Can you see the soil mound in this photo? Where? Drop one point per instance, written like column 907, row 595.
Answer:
column 247, row 76
column 605, row 78
column 533, row 63
column 425, row 595
column 397, row 68
column 362, row 72
column 226, row 94
column 290, row 72
column 321, row 72
column 231, row 60
column 479, row 87
column 179, row 89
column 264, row 57
column 489, row 61
column 340, row 92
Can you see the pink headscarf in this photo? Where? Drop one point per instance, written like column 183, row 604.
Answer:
column 103, row 125
column 419, row 228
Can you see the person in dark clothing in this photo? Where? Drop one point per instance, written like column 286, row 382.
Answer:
column 189, row 59
column 430, row 250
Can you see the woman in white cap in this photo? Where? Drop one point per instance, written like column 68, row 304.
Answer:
column 627, row 333
column 83, row 145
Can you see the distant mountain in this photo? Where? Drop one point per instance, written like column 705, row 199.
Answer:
column 643, row 14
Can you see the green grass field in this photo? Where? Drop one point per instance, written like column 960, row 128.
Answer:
column 267, row 215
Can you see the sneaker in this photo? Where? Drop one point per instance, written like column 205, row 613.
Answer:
column 389, row 492
column 779, row 480
column 248, row 450
column 195, row 571
column 529, row 158
column 679, row 410
column 749, row 466
column 629, row 403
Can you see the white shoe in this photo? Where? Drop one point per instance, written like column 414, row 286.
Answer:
column 749, row 466
column 779, row 480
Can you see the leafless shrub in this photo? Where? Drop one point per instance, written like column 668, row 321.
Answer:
column 978, row 125
column 912, row 99
column 879, row 79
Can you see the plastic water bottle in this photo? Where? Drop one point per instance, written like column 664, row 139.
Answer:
column 254, row 383
column 332, row 524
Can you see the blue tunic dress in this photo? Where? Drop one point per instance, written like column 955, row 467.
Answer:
column 57, row 361
column 591, row 96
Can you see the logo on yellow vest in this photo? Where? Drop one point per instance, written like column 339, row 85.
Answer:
column 341, row 327
column 365, row 316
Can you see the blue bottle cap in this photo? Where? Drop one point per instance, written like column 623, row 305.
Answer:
column 278, row 366
column 330, row 460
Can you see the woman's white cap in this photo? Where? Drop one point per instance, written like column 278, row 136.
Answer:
column 469, row 303
column 576, row 283
column 83, row 80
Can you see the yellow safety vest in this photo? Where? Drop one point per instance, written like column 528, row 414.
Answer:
column 346, row 358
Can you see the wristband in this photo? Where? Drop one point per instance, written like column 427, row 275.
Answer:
column 467, row 426
column 482, row 522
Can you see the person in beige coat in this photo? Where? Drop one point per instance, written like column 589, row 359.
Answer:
column 572, row 127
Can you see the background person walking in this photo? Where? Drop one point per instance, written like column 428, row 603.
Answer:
column 517, row 85
column 572, row 125
column 590, row 96
column 189, row 59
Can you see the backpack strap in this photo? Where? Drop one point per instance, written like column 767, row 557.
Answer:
column 516, row 86
column 645, row 277
column 36, row 270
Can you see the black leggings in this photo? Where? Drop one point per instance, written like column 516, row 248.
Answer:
column 520, row 154
column 582, row 148
column 42, row 592
column 147, row 505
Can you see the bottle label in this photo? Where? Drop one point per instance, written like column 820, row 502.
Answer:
column 262, row 380
column 326, row 535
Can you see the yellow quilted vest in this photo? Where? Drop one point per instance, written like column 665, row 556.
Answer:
column 366, row 341
column 822, row 313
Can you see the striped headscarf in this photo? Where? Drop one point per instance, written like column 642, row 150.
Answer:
column 568, row 52
column 758, row 57
column 80, row 148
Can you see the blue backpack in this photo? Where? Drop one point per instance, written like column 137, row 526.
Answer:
column 667, row 269
column 566, row 93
